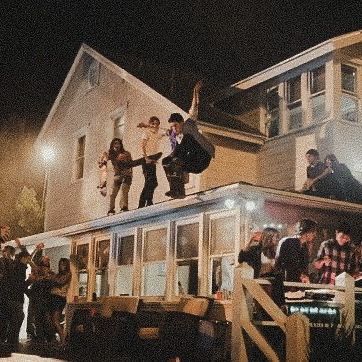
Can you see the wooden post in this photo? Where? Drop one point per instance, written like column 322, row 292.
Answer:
column 297, row 338
column 240, row 311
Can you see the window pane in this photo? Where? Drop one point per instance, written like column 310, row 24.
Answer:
column 272, row 99
column 102, row 255
column 154, row 248
column 222, row 274
column 222, row 235
column 349, row 108
column 81, row 146
column 273, row 112
column 101, row 288
column 318, row 105
column 294, row 86
column 187, row 277
column 187, row 241
column 124, row 280
column 119, row 127
column 295, row 116
column 274, row 122
column 83, row 283
column 317, row 80
column 80, row 168
column 154, row 280
column 349, row 76
column 125, row 250
column 82, row 253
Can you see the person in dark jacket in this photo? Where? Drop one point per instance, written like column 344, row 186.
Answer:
column 293, row 259
column 193, row 151
column 16, row 286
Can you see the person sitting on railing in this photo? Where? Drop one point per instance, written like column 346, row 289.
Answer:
column 337, row 255
column 293, row 259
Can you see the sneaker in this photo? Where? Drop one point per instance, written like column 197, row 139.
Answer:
column 124, row 209
column 111, row 212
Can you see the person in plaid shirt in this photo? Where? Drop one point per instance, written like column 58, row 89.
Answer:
column 336, row 256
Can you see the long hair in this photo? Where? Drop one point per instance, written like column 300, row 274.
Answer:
column 268, row 246
column 112, row 154
column 333, row 159
column 66, row 262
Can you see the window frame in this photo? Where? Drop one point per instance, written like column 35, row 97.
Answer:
column 179, row 223
column 145, row 230
column 79, row 159
column 232, row 253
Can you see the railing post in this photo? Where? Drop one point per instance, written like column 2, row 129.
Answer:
column 348, row 312
column 297, row 338
column 240, row 311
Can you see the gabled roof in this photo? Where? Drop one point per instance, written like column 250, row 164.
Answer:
column 301, row 58
column 212, row 121
column 85, row 49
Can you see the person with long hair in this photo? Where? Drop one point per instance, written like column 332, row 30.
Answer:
column 122, row 174
column 260, row 252
column 58, row 296
column 338, row 181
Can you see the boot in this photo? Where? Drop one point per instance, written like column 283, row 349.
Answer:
column 177, row 188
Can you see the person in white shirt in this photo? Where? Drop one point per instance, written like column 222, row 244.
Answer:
column 150, row 144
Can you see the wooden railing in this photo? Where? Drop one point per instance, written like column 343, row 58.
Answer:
column 295, row 327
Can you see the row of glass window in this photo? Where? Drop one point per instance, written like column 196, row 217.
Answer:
column 317, row 99
column 161, row 265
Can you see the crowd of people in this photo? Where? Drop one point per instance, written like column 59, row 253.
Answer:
column 191, row 152
column 45, row 289
column 290, row 258
column 331, row 179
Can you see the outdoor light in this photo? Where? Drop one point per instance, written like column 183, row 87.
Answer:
column 229, row 203
column 250, row 206
column 48, row 153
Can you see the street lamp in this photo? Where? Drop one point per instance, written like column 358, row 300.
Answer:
column 48, row 155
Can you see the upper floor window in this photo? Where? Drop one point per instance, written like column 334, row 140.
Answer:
column 349, row 98
column 79, row 158
column 118, row 118
column 294, row 102
column 91, row 69
column 317, row 85
column 273, row 116
column 349, row 78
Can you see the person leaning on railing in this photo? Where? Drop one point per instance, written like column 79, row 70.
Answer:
column 293, row 259
column 337, row 255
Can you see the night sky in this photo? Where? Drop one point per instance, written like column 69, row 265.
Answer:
column 222, row 40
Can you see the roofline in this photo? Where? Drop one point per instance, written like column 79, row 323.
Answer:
column 232, row 133
column 239, row 190
column 304, row 57
column 113, row 68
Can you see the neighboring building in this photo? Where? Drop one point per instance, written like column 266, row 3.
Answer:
column 190, row 245
column 312, row 100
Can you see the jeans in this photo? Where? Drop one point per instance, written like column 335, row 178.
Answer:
column 123, row 183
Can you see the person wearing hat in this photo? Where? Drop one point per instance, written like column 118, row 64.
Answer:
column 293, row 258
column 193, row 151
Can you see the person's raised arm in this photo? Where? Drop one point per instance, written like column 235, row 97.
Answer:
column 194, row 109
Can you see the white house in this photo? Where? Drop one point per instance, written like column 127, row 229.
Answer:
column 261, row 127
